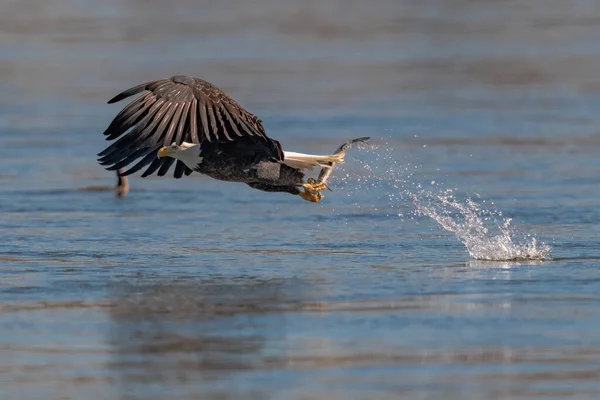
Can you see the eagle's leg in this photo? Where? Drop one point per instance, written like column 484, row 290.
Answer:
column 312, row 190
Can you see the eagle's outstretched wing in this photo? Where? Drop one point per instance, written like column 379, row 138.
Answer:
column 174, row 110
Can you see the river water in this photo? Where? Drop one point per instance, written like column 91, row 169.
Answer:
column 456, row 256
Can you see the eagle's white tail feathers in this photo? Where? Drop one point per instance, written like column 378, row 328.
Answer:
column 308, row 161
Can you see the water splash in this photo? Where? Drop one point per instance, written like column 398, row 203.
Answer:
column 486, row 233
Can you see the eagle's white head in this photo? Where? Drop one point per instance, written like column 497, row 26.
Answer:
column 188, row 153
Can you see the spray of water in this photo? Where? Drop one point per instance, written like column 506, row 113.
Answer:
column 486, row 233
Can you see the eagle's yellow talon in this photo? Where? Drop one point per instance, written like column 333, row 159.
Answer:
column 312, row 189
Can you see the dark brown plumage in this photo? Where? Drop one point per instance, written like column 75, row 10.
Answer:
column 176, row 110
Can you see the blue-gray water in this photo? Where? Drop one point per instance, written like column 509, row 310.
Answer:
column 196, row 288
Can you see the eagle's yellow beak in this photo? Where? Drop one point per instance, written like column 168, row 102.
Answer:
column 166, row 151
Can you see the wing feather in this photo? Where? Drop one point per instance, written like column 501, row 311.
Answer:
column 156, row 163
column 204, row 120
column 129, row 113
column 231, row 125
column 174, row 123
column 240, row 119
column 179, row 170
column 135, row 133
column 130, row 92
column 182, row 124
column 144, row 152
column 150, row 156
column 165, row 166
column 133, row 140
column 194, row 122
column 213, row 122
column 221, row 124
column 177, row 109
column 159, row 130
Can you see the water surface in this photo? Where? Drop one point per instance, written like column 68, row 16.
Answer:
column 195, row 288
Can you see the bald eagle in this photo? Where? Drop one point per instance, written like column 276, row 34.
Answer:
column 191, row 123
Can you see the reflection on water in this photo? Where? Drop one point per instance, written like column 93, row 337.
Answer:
column 248, row 337
column 243, row 337
column 179, row 336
